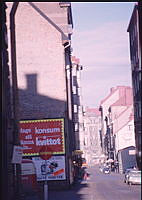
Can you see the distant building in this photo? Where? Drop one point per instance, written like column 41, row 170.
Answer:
column 135, row 38
column 92, row 146
column 118, row 123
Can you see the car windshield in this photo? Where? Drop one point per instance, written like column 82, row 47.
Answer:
column 135, row 173
column 128, row 170
column 106, row 168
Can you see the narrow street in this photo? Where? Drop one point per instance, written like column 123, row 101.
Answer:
column 71, row 94
column 99, row 186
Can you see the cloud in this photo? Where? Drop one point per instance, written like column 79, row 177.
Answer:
column 104, row 53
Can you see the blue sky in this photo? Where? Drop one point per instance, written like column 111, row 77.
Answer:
column 101, row 41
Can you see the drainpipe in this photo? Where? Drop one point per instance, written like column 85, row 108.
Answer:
column 16, row 167
column 69, row 91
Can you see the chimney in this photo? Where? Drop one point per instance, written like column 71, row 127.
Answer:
column 112, row 89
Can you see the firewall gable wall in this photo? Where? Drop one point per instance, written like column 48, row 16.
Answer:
column 40, row 54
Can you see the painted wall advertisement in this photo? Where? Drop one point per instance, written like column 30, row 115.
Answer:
column 45, row 135
column 51, row 169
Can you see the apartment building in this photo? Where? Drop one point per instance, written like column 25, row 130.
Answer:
column 43, row 58
column 118, row 123
column 92, row 143
column 77, row 101
column 135, row 40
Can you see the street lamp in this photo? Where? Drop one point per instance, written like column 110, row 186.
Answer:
column 102, row 128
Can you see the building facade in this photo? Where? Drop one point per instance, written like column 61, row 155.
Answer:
column 43, row 56
column 135, row 39
column 92, row 145
column 77, row 101
column 118, row 123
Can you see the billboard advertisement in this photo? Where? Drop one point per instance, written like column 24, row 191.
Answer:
column 51, row 169
column 42, row 136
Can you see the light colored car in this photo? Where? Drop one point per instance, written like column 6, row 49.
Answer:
column 101, row 168
column 106, row 170
column 127, row 174
column 134, row 177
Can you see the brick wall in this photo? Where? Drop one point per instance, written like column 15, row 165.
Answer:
column 40, row 28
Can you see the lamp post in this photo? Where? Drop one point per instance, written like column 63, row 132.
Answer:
column 112, row 138
column 102, row 127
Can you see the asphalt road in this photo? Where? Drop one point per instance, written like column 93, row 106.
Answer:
column 99, row 186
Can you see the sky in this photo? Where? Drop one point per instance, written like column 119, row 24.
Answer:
column 101, row 41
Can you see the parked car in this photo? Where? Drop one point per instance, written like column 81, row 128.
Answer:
column 101, row 168
column 106, row 170
column 134, row 177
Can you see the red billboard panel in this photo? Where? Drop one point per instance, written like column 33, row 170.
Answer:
column 42, row 136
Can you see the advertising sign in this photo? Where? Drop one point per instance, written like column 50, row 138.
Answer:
column 132, row 152
column 52, row 169
column 46, row 136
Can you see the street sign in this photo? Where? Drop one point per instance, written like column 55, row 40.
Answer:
column 17, row 155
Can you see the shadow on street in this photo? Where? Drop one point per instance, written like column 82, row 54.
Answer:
column 74, row 193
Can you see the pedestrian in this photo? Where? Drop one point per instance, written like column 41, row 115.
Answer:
column 85, row 176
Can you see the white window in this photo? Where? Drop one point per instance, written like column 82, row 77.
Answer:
column 79, row 91
column 75, row 108
column 74, row 89
column 140, row 76
column 76, row 126
column 80, row 109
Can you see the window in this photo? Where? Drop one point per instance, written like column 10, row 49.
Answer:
column 129, row 127
column 75, row 108
column 75, row 80
column 80, row 109
column 79, row 91
column 140, row 76
column 76, row 126
column 74, row 89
